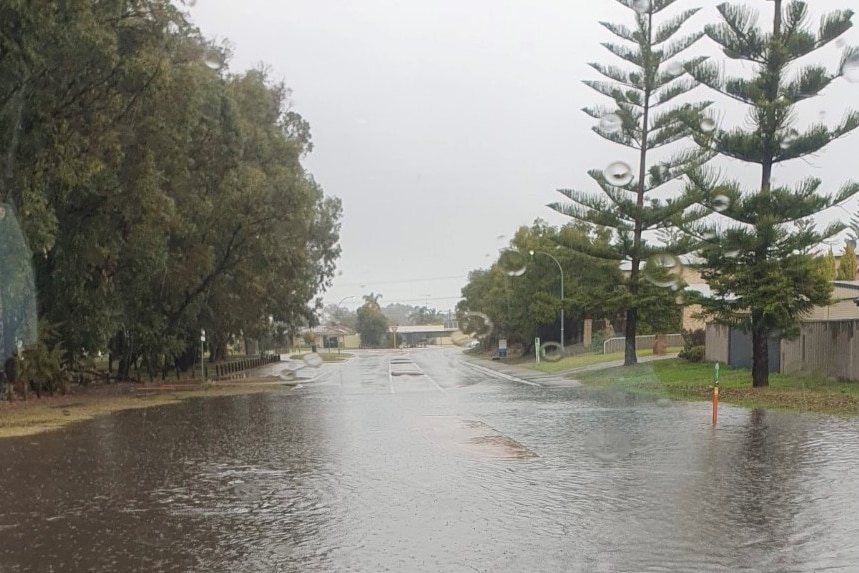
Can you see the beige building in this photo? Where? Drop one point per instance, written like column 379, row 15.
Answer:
column 828, row 342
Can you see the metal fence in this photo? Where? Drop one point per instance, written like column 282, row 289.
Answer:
column 642, row 342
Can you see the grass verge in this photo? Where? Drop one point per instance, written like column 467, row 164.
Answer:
column 36, row 416
column 692, row 381
column 588, row 359
column 325, row 356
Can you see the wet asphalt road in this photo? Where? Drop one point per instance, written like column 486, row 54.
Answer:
column 416, row 461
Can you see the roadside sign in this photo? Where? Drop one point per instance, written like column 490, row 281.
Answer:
column 502, row 344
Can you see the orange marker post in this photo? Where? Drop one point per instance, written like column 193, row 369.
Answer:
column 716, row 394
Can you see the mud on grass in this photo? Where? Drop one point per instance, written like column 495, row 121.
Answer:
column 38, row 415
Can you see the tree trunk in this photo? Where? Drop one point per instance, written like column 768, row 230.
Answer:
column 629, row 356
column 760, row 357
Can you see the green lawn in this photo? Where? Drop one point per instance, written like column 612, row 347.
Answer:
column 325, row 356
column 586, row 360
column 693, row 381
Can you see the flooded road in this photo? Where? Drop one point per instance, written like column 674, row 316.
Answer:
column 425, row 464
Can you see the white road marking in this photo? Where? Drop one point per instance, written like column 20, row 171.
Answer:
column 498, row 374
column 437, row 385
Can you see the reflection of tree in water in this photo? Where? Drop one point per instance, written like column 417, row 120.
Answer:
column 764, row 489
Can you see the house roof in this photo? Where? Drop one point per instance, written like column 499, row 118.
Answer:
column 329, row 330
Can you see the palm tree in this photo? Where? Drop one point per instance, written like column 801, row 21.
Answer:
column 371, row 301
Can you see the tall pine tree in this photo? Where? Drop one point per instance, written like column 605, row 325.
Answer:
column 760, row 265
column 641, row 118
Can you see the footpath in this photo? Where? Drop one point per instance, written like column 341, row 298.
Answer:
column 560, row 379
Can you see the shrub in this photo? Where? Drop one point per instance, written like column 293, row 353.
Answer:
column 694, row 354
column 693, row 345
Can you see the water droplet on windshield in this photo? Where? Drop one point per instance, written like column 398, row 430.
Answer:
column 663, row 270
column 608, row 445
column 707, row 125
column 214, row 59
column 674, row 68
column 641, row 6
column 611, row 123
column 721, row 203
column 512, row 263
column 850, row 69
column 789, row 138
column 313, row 360
column 551, row 351
column 246, row 491
column 618, row 174
column 477, row 324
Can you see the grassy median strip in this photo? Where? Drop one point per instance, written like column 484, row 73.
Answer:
column 325, row 356
column 43, row 415
column 692, row 381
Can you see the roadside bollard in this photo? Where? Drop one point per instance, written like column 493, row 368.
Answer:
column 716, row 394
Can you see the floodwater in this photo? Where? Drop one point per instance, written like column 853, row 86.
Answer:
column 433, row 466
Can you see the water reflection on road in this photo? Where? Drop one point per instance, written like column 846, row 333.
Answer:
column 448, row 470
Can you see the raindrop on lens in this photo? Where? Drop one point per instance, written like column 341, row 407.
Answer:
column 707, row 125
column 512, row 263
column 674, row 68
column 721, row 203
column 641, row 6
column 618, row 174
column 214, row 59
column 246, row 491
column 608, row 445
column 789, row 139
column 851, row 68
column 551, row 351
column 611, row 123
column 486, row 328
column 656, row 267
column 313, row 360
column 840, row 43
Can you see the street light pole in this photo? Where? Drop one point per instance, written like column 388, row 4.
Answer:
column 561, row 269
column 342, row 300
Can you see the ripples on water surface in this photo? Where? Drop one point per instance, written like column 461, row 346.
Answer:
column 346, row 475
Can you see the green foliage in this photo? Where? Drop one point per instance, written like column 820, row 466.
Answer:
column 425, row 315
column 694, row 354
column 42, row 366
column 693, row 345
column 161, row 195
column 517, row 305
column 598, row 341
column 309, row 338
column 371, row 324
column 632, row 206
column 828, row 266
column 847, row 264
column 759, row 265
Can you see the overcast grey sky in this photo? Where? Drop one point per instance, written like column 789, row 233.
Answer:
column 445, row 124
